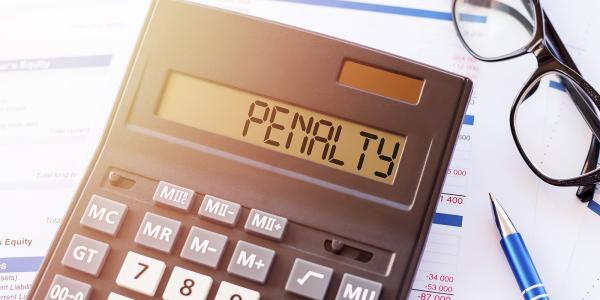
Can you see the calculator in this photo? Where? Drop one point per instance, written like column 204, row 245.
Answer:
column 247, row 159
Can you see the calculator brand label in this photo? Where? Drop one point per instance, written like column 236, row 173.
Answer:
column 219, row 210
column 266, row 224
column 173, row 195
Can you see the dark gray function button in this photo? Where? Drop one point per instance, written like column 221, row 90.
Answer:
column 220, row 210
column 204, row 247
column 173, row 196
column 66, row 288
column 86, row 255
column 158, row 232
column 266, row 224
column 309, row 280
column 104, row 215
column 251, row 262
column 358, row 288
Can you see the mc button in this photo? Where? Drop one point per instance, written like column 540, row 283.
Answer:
column 104, row 215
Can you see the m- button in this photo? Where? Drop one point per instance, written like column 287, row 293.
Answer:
column 266, row 224
column 104, row 215
column 251, row 262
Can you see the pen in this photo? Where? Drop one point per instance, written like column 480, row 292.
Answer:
column 517, row 255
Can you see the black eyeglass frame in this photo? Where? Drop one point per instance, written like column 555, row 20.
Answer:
column 552, row 57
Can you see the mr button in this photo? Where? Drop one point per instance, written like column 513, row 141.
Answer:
column 158, row 232
column 104, row 215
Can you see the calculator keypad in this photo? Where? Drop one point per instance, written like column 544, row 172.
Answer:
column 140, row 273
column 158, row 232
column 204, row 247
column 143, row 274
column 86, row 255
column 185, row 284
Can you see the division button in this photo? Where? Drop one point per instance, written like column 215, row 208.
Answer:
column 355, row 288
column 228, row 291
column 86, row 255
column 140, row 273
column 104, row 215
column 220, row 210
column 204, row 247
column 266, row 224
column 173, row 196
column 185, row 284
column 66, row 288
column 251, row 262
column 158, row 232
column 309, row 280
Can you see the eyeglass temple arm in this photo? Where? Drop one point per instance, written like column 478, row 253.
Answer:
column 584, row 193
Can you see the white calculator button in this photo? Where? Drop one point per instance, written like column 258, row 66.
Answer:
column 185, row 284
column 115, row 296
column 140, row 273
column 229, row 291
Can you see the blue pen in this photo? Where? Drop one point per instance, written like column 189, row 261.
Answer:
column 517, row 255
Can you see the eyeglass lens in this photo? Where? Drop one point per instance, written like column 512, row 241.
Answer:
column 492, row 29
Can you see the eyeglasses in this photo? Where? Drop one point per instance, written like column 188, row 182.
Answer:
column 554, row 120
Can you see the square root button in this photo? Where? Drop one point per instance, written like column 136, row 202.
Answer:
column 309, row 280
column 266, row 224
column 251, row 262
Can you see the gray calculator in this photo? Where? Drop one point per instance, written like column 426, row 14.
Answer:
column 250, row 160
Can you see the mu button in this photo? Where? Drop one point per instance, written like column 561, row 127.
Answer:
column 251, row 262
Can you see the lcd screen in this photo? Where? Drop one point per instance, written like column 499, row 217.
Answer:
column 281, row 127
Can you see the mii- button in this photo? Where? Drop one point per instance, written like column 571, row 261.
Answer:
column 104, row 215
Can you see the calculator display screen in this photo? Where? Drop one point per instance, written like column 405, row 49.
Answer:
column 281, row 127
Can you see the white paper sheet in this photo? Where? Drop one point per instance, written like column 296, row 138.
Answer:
column 61, row 63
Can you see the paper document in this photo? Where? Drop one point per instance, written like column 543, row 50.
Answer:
column 60, row 74
column 61, row 64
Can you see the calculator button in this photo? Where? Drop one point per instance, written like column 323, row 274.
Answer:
column 204, row 247
column 140, row 273
column 228, row 291
column 309, row 280
column 265, row 224
column 220, row 210
column 115, row 296
column 104, row 215
column 66, row 288
column 354, row 287
column 158, row 232
column 86, row 255
column 173, row 196
column 185, row 284
column 251, row 262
